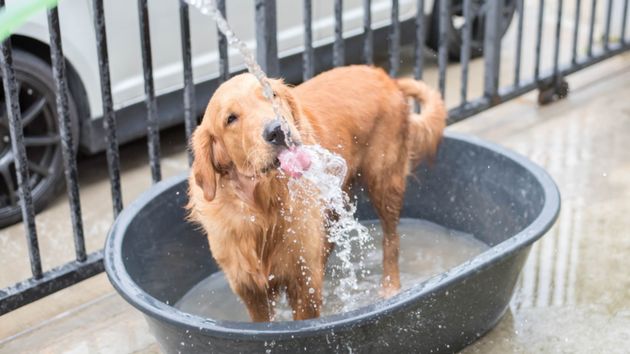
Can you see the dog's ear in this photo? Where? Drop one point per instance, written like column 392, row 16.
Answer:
column 210, row 160
column 287, row 96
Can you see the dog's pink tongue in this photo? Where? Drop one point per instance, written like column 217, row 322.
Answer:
column 294, row 161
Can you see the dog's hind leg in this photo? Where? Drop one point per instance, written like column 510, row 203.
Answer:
column 257, row 303
column 386, row 191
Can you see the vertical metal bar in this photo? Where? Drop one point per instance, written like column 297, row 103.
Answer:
column 368, row 41
column 419, row 42
column 608, row 22
column 224, row 61
column 308, row 55
column 556, row 51
column 541, row 13
column 519, row 43
column 109, row 117
column 67, row 146
column 624, row 22
column 591, row 29
column 266, row 37
column 153, row 128
column 492, row 49
column 394, row 41
column 576, row 30
column 190, row 119
column 445, row 17
column 11, row 96
column 338, row 47
column 465, row 49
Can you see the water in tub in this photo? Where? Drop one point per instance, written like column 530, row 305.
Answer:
column 426, row 249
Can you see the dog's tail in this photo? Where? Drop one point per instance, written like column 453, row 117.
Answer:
column 427, row 127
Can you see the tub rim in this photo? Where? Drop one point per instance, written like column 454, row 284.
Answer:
column 150, row 306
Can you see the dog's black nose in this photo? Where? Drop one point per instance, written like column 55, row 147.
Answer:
column 273, row 133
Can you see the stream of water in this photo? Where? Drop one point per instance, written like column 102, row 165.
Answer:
column 209, row 8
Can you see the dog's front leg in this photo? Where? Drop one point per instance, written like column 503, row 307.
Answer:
column 305, row 294
column 257, row 303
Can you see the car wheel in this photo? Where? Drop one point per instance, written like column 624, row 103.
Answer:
column 456, row 24
column 41, row 138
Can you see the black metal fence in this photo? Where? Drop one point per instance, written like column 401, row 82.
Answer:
column 551, row 85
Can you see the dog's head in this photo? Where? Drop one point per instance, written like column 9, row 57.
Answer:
column 240, row 136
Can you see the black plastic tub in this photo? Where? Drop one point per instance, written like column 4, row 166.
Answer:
column 153, row 257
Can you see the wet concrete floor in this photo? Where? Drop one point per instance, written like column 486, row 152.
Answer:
column 574, row 292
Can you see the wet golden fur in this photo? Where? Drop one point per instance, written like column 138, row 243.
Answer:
column 242, row 201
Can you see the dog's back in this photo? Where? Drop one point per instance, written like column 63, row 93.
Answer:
column 359, row 108
column 357, row 112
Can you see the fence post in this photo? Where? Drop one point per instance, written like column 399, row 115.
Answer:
column 224, row 60
column 339, row 47
column 190, row 116
column 16, row 132
column 109, row 115
column 153, row 125
column 394, row 41
column 67, row 145
column 465, row 50
column 368, row 39
column 419, row 41
column 308, row 57
column 558, row 88
column 266, row 40
column 444, row 34
column 492, row 50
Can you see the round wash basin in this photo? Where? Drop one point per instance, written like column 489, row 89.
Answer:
column 153, row 257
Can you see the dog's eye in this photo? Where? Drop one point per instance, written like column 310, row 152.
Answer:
column 231, row 118
column 275, row 94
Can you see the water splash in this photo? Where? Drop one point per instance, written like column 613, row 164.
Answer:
column 352, row 240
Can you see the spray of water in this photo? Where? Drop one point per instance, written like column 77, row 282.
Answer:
column 324, row 182
column 327, row 174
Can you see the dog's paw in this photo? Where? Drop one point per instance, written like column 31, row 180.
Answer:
column 387, row 291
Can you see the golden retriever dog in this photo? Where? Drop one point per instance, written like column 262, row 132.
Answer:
column 241, row 199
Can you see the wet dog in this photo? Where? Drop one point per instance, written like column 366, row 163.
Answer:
column 241, row 199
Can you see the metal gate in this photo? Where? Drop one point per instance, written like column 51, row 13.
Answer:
column 551, row 86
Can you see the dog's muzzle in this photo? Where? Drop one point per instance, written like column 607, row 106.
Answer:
column 274, row 135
